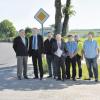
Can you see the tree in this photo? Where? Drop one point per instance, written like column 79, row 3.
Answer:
column 7, row 28
column 67, row 11
column 66, row 17
column 58, row 16
column 28, row 32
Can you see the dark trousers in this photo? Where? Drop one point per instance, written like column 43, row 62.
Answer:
column 50, row 62
column 78, row 61
column 37, row 58
column 59, row 62
column 92, row 64
column 69, row 62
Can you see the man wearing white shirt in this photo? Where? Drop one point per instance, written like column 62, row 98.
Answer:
column 59, row 49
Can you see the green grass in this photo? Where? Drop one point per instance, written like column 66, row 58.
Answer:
column 84, row 70
column 84, row 67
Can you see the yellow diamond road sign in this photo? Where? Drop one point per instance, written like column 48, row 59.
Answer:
column 41, row 16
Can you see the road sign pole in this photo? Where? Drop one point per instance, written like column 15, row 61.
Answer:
column 42, row 30
column 41, row 16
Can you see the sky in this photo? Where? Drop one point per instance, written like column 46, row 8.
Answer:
column 21, row 13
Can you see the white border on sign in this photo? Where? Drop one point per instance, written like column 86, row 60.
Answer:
column 46, row 14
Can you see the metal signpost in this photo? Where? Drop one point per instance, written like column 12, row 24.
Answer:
column 41, row 16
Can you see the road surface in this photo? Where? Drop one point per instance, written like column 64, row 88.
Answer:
column 47, row 89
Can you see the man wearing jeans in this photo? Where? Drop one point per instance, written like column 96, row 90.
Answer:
column 91, row 52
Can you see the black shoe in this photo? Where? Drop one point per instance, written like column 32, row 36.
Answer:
column 49, row 76
column 68, row 78
column 19, row 78
column 63, row 79
column 25, row 77
column 74, row 79
column 41, row 78
column 96, row 80
column 54, row 77
column 58, row 79
column 35, row 78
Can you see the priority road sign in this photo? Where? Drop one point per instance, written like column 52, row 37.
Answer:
column 41, row 16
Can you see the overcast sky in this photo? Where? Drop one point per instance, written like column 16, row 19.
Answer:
column 21, row 13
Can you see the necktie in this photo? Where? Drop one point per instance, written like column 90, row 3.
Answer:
column 34, row 42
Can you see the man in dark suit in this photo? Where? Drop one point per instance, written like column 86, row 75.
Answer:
column 36, row 50
column 59, row 50
column 49, row 55
column 20, row 46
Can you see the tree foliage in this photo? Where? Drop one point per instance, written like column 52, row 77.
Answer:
column 7, row 28
column 28, row 31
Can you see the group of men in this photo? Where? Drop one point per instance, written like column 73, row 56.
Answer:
column 60, row 55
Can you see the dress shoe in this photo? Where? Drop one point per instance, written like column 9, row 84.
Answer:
column 19, row 78
column 96, row 80
column 49, row 76
column 74, row 79
column 58, row 79
column 25, row 77
column 35, row 78
column 41, row 78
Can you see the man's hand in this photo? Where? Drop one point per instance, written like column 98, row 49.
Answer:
column 71, row 55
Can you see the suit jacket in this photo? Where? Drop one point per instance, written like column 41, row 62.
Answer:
column 48, row 46
column 63, row 47
column 40, row 44
column 19, row 47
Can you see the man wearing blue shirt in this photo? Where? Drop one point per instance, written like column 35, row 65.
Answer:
column 91, row 52
column 36, row 51
column 71, row 57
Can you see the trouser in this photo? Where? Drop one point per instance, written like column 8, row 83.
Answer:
column 60, row 67
column 78, row 61
column 92, row 63
column 37, row 58
column 70, row 61
column 22, row 66
column 50, row 62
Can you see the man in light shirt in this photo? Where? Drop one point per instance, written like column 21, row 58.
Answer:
column 91, row 53
column 59, row 49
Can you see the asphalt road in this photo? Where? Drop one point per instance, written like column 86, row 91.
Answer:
column 47, row 89
column 7, row 55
